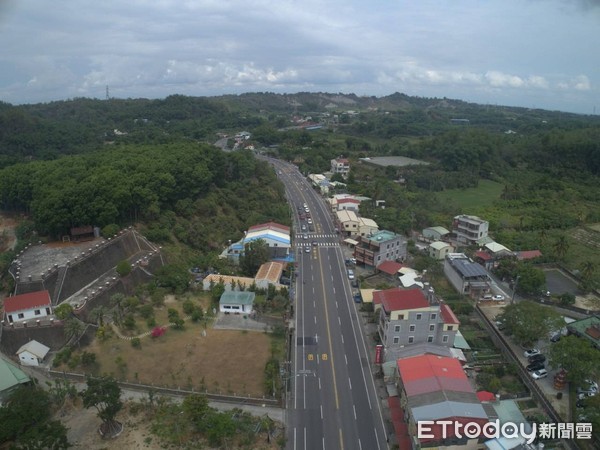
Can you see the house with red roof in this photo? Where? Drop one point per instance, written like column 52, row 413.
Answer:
column 413, row 316
column 390, row 269
column 30, row 306
column 436, row 388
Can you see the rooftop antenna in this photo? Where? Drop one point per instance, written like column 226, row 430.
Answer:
column 107, row 94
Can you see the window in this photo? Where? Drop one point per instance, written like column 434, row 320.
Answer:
column 401, row 317
column 431, row 327
column 433, row 316
column 429, row 338
column 419, row 315
column 37, row 312
column 445, row 338
column 396, row 340
column 450, row 327
column 397, row 328
column 21, row 316
column 411, row 339
column 412, row 328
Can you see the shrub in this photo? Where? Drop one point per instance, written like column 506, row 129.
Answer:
column 110, row 230
column 123, row 268
column 188, row 307
column 88, row 359
column 136, row 342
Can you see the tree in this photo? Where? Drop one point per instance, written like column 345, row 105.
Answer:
column 104, row 394
column 577, row 356
column 174, row 277
column 196, row 409
column 561, row 246
column 97, row 315
column 123, row 268
column 63, row 311
column 567, row 299
column 73, row 329
column 589, row 278
column 531, row 279
column 256, row 253
column 528, row 321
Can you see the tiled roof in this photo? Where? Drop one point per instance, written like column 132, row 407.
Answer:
column 397, row 299
column 26, row 301
column 448, row 315
column 270, row 226
column 528, row 254
column 270, row 271
column 390, row 267
column 483, row 255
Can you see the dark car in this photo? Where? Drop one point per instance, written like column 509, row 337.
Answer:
column 535, row 366
column 537, row 358
column 555, row 337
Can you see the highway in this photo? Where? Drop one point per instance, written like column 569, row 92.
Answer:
column 332, row 402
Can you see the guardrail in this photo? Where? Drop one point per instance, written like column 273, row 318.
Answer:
column 177, row 392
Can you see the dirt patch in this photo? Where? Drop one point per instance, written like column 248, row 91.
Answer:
column 83, row 431
column 8, row 240
column 222, row 361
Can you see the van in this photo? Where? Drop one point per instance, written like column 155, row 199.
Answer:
column 487, row 297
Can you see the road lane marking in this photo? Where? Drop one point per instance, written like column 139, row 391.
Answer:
column 354, row 409
column 341, row 440
column 321, row 412
column 342, row 336
column 319, row 383
column 346, row 358
column 339, row 321
column 315, row 320
column 336, row 304
column 304, row 438
column 359, row 444
column 335, row 391
column 324, row 356
column 350, row 382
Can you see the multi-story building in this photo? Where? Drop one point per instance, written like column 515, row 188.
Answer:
column 379, row 247
column 469, row 229
column 341, row 166
column 436, row 388
column 411, row 316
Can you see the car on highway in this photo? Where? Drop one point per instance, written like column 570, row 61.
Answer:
column 307, row 250
column 531, row 352
column 314, row 243
column 303, row 227
column 535, row 366
column 305, row 236
column 309, row 221
column 311, row 227
column 538, row 374
column 498, row 297
column 350, row 274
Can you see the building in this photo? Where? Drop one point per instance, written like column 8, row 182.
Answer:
column 269, row 274
column 435, row 233
column 347, row 222
column 11, row 377
column 340, row 165
column 436, row 388
column 527, row 255
column 390, row 269
column 30, row 306
column 469, row 230
column 439, row 249
column 276, row 236
column 32, row 353
column 588, row 329
column 466, row 276
column 238, row 302
column 409, row 316
column 379, row 247
column 367, row 227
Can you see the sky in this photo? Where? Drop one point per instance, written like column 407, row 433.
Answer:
column 530, row 53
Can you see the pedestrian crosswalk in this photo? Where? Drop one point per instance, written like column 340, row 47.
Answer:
column 317, row 244
column 316, row 236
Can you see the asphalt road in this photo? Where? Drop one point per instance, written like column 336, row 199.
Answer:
column 332, row 402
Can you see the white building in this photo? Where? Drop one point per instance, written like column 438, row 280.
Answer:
column 341, row 166
column 32, row 353
column 30, row 306
column 469, row 230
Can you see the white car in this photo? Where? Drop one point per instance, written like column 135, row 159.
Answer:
column 498, row 298
column 531, row 352
column 307, row 250
column 542, row 373
column 350, row 274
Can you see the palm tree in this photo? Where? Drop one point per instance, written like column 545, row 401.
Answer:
column 73, row 328
column 561, row 246
column 97, row 315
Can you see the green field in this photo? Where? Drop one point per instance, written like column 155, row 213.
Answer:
column 473, row 198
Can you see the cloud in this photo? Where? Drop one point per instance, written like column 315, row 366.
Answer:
column 582, row 83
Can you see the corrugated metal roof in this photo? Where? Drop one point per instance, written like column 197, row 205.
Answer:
column 448, row 409
column 35, row 348
column 237, row 298
column 11, row 375
column 468, row 269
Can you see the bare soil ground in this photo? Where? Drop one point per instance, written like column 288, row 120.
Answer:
column 226, row 361
column 8, row 239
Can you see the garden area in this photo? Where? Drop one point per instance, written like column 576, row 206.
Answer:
column 171, row 343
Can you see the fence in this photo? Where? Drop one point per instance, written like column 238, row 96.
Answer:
column 176, row 392
column 532, row 386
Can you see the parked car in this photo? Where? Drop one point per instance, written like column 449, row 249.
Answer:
column 350, row 274
column 585, row 394
column 530, row 352
column 541, row 373
column 303, row 227
column 311, row 227
column 535, row 366
column 357, row 297
column 537, row 358
column 354, row 283
column 498, row 297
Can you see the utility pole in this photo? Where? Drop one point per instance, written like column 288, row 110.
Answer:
column 107, row 93
column 512, row 299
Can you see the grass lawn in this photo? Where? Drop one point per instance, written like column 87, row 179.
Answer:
column 229, row 361
column 472, row 198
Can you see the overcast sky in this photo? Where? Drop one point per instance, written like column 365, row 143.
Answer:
column 532, row 53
